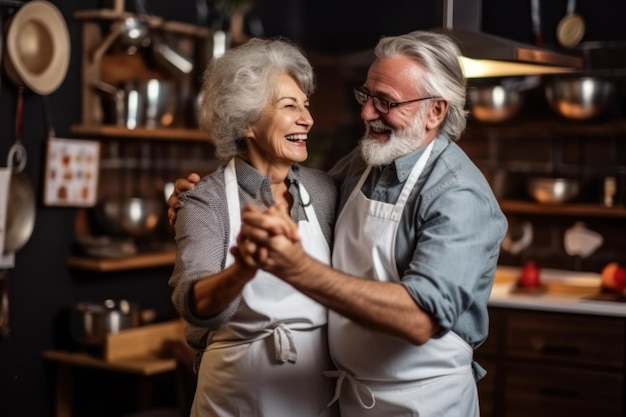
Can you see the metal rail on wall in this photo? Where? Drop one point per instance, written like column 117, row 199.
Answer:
column 12, row 3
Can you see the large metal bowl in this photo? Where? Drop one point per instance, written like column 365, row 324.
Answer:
column 549, row 190
column 494, row 103
column 579, row 98
column 130, row 216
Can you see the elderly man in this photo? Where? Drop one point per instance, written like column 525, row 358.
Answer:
column 416, row 243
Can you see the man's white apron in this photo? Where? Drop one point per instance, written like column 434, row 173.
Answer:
column 386, row 375
column 268, row 361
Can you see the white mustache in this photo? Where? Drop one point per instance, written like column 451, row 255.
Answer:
column 378, row 125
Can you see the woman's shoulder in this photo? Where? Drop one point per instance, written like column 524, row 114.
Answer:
column 209, row 186
column 313, row 176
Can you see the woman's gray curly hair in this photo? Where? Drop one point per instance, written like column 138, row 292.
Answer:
column 442, row 72
column 238, row 85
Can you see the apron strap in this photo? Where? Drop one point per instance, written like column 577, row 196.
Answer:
column 284, row 345
column 356, row 387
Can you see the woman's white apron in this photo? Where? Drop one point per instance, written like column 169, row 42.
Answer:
column 269, row 359
column 386, row 375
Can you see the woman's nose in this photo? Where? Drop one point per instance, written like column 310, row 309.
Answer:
column 306, row 118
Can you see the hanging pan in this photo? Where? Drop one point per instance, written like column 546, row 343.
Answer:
column 20, row 218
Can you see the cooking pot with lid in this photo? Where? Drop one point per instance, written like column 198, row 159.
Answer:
column 90, row 322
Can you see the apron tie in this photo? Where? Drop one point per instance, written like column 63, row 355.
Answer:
column 283, row 343
column 356, row 387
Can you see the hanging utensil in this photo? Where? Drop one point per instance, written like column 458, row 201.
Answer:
column 581, row 242
column 571, row 28
column 135, row 32
column 535, row 15
column 21, row 208
column 4, row 304
column 519, row 236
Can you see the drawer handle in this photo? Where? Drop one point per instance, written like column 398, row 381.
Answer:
column 559, row 350
column 558, row 392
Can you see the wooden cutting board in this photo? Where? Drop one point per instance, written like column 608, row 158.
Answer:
column 142, row 341
column 555, row 280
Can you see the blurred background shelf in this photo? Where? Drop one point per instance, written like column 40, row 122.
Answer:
column 139, row 261
column 116, row 132
column 593, row 210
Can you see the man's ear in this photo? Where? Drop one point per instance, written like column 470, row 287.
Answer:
column 436, row 113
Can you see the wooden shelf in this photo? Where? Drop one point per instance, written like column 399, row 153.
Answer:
column 144, row 260
column 141, row 365
column 155, row 22
column 529, row 128
column 593, row 210
column 106, row 131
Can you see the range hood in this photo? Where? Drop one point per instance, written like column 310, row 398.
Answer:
column 486, row 55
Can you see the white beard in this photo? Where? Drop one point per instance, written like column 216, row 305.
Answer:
column 401, row 142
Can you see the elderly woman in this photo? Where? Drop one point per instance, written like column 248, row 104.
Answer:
column 263, row 345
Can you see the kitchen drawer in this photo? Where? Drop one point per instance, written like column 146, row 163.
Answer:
column 566, row 338
column 538, row 391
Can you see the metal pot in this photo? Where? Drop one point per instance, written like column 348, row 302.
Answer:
column 150, row 103
column 91, row 322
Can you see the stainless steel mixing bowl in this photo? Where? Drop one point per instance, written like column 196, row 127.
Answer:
column 579, row 98
column 494, row 103
column 130, row 216
column 549, row 190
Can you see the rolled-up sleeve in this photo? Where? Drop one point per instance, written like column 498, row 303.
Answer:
column 459, row 228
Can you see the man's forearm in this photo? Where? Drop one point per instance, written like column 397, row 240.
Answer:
column 382, row 306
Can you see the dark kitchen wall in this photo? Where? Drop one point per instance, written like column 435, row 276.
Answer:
column 41, row 284
column 42, row 287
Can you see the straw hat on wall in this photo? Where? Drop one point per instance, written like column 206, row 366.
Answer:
column 37, row 47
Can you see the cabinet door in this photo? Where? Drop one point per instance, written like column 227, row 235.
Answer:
column 538, row 391
column 566, row 338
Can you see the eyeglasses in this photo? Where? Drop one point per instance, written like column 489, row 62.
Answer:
column 382, row 105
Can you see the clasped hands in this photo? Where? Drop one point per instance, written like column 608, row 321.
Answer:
column 268, row 240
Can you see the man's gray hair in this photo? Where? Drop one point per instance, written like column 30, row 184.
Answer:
column 240, row 83
column 442, row 75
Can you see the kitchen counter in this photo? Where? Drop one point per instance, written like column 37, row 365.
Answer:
column 134, row 352
column 565, row 292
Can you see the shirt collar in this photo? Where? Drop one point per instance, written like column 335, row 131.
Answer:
column 254, row 183
column 403, row 165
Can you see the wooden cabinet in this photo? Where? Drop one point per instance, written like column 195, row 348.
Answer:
column 511, row 152
column 561, row 390
column 553, row 364
column 101, row 62
column 542, row 144
column 142, row 157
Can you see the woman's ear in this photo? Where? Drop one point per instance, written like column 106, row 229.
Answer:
column 248, row 133
column 436, row 113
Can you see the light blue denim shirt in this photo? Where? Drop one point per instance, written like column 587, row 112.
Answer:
column 449, row 237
